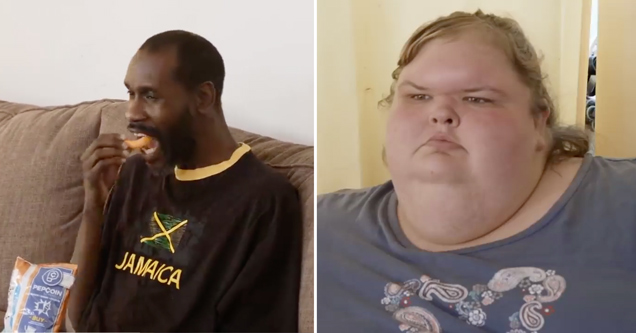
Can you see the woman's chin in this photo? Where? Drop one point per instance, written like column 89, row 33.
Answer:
column 441, row 169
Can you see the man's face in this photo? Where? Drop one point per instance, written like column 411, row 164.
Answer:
column 159, row 107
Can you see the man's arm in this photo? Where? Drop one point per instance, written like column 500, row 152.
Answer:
column 85, row 256
column 264, row 297
column 101, row 163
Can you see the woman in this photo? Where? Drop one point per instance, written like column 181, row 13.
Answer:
column 495, row 219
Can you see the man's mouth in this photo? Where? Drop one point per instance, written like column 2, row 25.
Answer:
column 151, row 149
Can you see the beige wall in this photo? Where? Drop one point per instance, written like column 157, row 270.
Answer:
column 616, row 70
column 338, row 144
column 358, row 45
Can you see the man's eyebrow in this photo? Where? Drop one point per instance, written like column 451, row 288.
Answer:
column 142, row 89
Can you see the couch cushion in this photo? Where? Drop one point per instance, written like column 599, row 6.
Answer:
column 41, row 193
column 293, row 160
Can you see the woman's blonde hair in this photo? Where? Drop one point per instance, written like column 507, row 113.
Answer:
column 566, row 141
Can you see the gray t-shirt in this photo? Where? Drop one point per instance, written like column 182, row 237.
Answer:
column 572, row 271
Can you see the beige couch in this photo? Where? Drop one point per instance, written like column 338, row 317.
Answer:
column 41, row 192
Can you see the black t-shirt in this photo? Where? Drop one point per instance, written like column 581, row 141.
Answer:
column 212, row 249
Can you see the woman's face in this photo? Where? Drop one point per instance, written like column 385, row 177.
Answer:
column 461, row 114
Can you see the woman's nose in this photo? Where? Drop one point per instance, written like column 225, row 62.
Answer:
column 444, row 115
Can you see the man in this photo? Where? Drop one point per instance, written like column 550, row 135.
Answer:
column 194, row 233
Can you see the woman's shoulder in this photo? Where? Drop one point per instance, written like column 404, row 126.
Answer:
column 606, row 181
column 346, row 205
column 617, row 172
column 617, row 166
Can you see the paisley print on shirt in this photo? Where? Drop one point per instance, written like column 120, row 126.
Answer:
column 538, row 286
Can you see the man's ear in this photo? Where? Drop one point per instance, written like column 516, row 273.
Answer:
column 206, row 98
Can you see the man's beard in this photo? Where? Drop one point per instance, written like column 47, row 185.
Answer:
column 177, row 143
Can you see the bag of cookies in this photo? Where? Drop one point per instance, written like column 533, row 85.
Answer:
column 38, row 296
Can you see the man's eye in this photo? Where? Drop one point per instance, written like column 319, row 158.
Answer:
column 130, row 93
column 420, row 97
column 478, row 100
column 150, row 97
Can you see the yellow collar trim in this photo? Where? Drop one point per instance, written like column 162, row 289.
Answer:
column 211, row 170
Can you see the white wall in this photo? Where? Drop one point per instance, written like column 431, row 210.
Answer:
column 594, row 22
column 64, row 52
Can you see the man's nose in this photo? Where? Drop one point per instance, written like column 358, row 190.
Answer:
column 135, row 111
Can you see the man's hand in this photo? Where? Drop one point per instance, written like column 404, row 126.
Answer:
column 101, row 162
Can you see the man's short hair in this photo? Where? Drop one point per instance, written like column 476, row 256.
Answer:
column 198, row 61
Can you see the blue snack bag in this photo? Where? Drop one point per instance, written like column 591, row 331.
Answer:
column 38, row 296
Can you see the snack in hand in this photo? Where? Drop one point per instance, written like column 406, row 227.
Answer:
column 139, row 143
column 38, row 296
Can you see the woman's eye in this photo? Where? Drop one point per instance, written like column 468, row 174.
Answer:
column 419, row 97
column 478, row 100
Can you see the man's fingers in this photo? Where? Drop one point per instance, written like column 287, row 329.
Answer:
column 102, row 154
column 104, row 141
column 103, row 164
